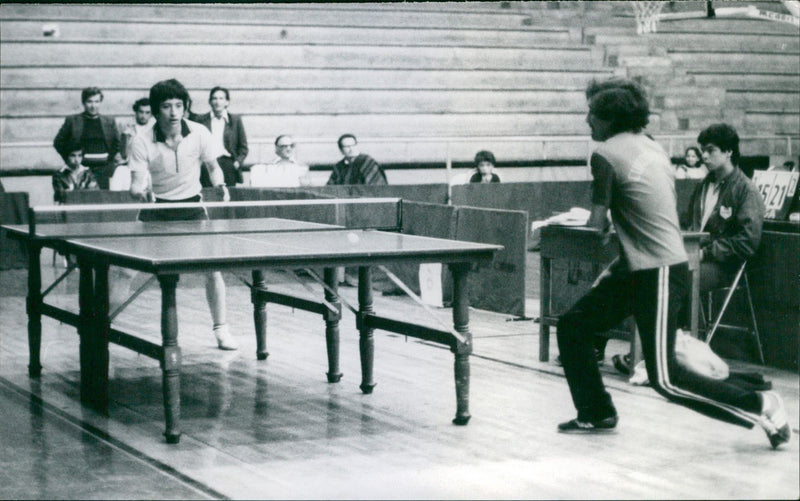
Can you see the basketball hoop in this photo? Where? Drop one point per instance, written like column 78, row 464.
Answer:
column 646, row 14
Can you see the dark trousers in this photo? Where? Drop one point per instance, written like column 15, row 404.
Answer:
column 231, row 174
column 712, row 276
column 169, row 214
column 102, row 172
column 653, row 297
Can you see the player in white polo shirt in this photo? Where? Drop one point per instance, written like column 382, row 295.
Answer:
column 172, row 151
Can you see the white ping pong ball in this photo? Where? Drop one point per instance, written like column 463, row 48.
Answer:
column 352, row 238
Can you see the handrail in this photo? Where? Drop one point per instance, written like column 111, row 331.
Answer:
column 259, row 144
column 670, row 138
column 461, row 139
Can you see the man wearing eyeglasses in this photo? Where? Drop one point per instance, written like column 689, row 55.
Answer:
column 355, row 167
column 284, row 171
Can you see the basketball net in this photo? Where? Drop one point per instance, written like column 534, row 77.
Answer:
column 646, row 14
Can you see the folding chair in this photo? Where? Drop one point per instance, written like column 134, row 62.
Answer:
column 739, row 283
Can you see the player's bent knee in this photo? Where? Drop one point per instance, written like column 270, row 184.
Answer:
column 568, row 326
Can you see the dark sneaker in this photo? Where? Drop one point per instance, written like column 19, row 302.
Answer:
column 773, row 419
column 622, row 363
column 606, row 425
column 599, row 355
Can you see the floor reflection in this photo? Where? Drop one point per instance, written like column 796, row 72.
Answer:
column 45, row 454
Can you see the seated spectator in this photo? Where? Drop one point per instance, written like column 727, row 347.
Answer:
column 484, row 164
column 284, row 171
column 726, row 205
column 97, row 134
column 142, row 117
column 73, row 176
column 692, row 166
column 355, row 167
column 229, row 137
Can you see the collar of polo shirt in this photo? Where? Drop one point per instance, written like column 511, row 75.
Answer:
column 159, row 136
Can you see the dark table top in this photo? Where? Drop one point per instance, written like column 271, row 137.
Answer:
column 56, row 231
column 173, row 253
column 179, row 246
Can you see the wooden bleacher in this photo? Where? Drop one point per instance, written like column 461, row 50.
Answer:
column 699, row 71
column 434, row 69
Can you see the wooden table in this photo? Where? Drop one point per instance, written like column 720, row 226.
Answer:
column 168, row 249
column 580, row 243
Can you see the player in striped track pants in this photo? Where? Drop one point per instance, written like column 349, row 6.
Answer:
column 634, row 180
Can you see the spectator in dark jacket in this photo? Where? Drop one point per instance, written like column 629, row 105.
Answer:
column 727, row 205
column 229, row 137
column 355, row 167
column 97, row 134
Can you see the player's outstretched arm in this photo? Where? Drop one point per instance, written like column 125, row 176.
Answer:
column 140, row 178
column 217, row 178
column 214, row 172
column 139, row 187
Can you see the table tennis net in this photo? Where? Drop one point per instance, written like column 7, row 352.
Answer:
column 363, row 213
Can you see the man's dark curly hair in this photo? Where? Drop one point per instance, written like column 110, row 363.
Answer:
column 620, row 101
column 91, row 92
column 141, row 102
column 724, row 137
column 167, row 89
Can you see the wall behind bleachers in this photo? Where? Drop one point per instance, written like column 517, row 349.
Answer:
column 430, row 69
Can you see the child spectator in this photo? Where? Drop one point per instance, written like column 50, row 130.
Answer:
column 692, row 166
column 73, row 176
column 484, row 163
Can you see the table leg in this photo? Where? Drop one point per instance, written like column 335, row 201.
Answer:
column 171, row 362
column 98, row 361
column 86, row 324
column 34, row 307
column 544, row 309
column 332, row 324
column 462, row 350
column 259, row 314
column 366, row 340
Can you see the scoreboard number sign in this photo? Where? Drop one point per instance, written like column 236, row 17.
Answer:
column 777, row 189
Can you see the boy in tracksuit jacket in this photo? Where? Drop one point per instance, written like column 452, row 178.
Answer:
column 726, row 205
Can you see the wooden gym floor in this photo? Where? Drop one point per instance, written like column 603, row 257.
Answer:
column 277, row 429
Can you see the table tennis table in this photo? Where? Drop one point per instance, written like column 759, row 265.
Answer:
column 168, row 249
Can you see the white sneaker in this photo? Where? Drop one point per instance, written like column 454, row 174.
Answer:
column 224, row 339
column 773, row 419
